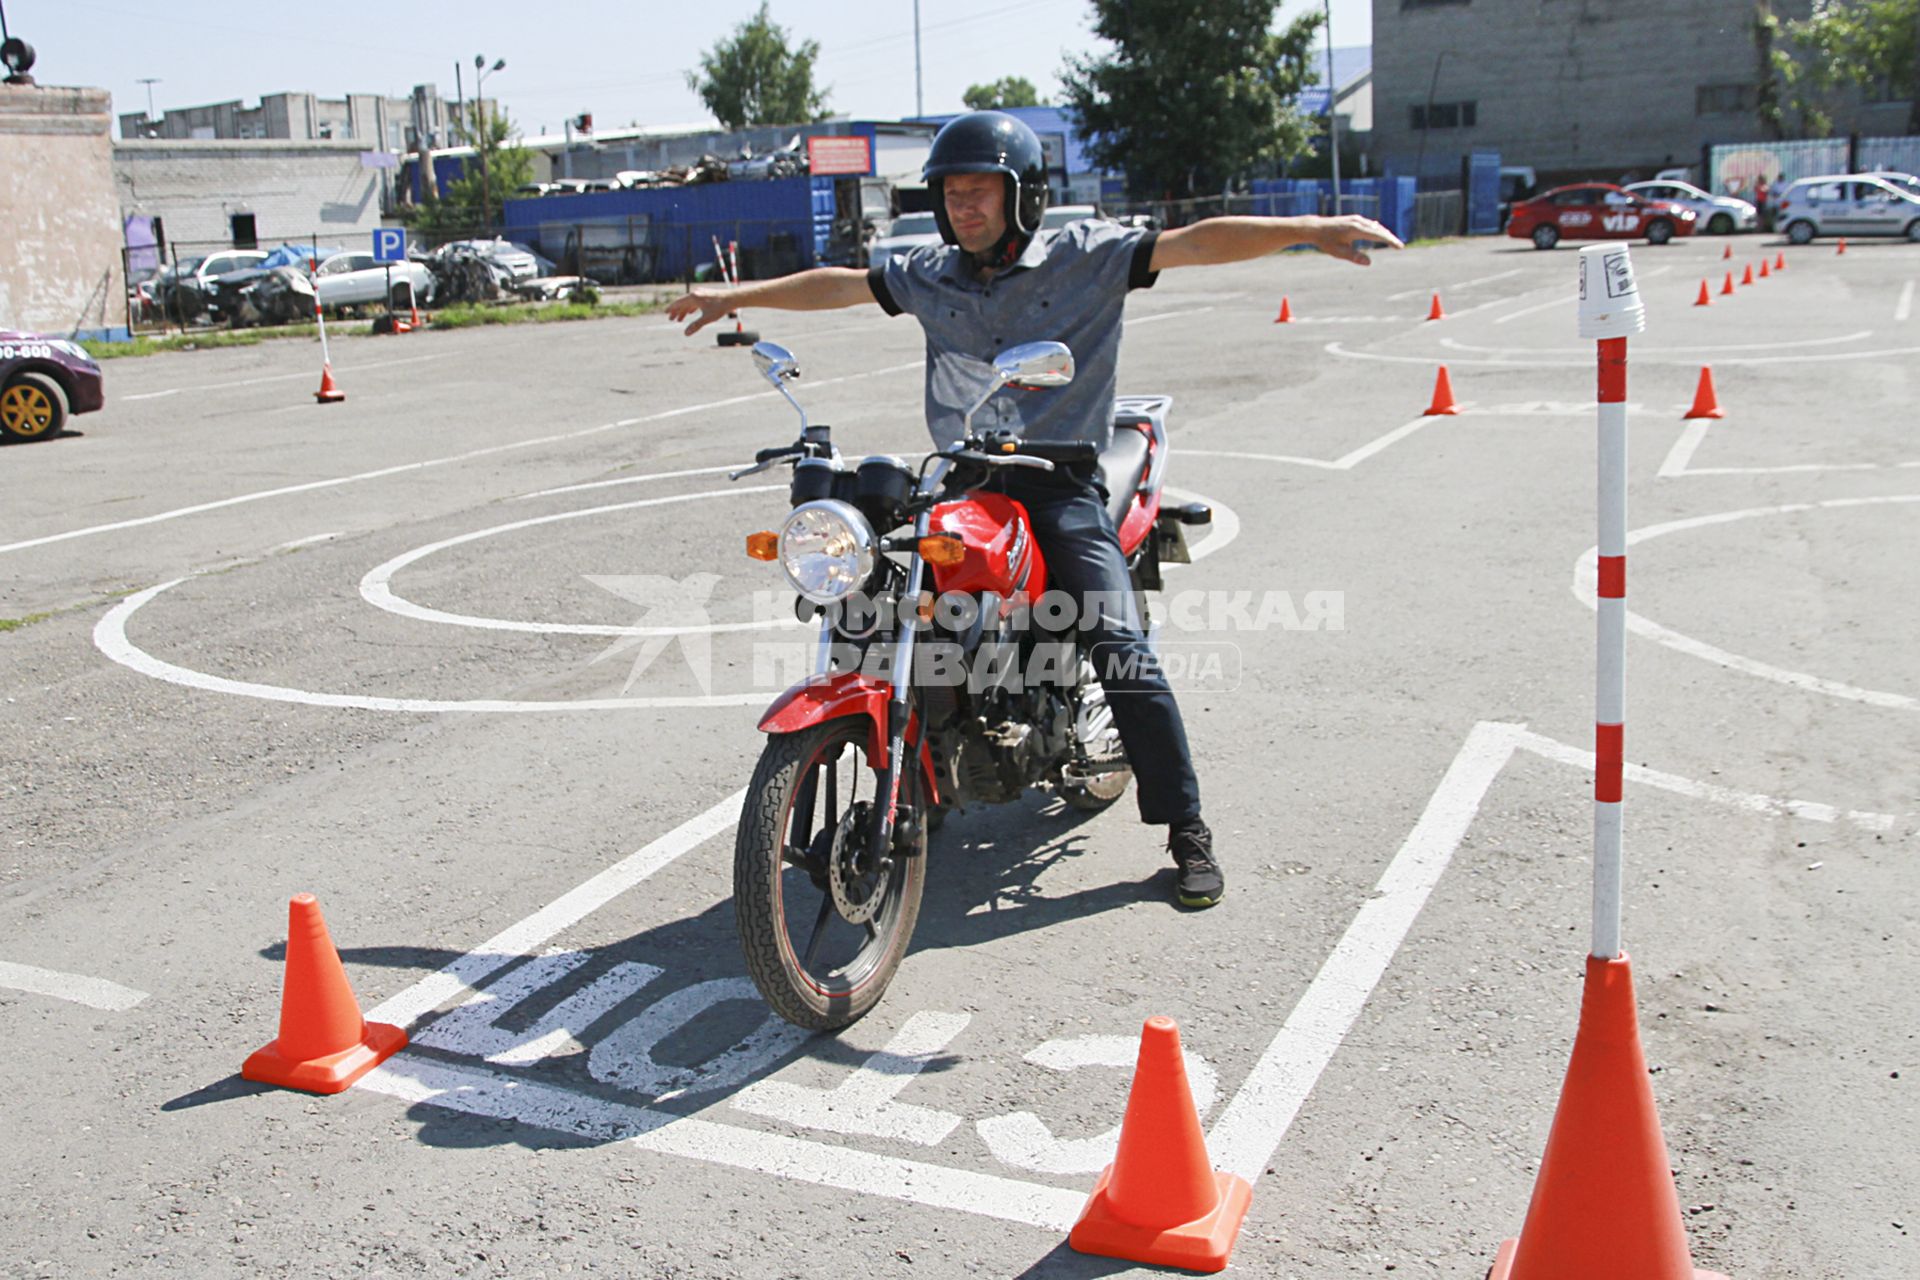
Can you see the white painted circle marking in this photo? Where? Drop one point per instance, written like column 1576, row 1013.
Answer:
column 376, row 590
column 1585, row 589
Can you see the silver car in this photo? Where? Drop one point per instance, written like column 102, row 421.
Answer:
column 1848, row 204
column 356, row 279
column 1719, row 215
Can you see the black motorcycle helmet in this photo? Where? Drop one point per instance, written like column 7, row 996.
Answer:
column 991, row 142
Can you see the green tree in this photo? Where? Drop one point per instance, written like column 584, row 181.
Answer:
column 1193, row 97
column 1007, row 91
column 756, row 77
column 1864, row 44
column 499, row 166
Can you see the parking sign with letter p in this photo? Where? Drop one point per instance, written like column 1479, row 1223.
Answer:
column 389, row 244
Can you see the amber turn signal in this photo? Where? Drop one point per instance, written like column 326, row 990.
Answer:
column 942, row 549
column 764, row 545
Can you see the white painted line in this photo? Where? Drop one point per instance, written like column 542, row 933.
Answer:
column 1167, row 315
column 1566, row 300
column 1794, row 345
column 1463, row 284
column 641, row 479
column 1242, row 1141
column 1766, row 806
column 403, row 468
column 285, row 377
column 563, row 912
column 1678, row 462
column 1248, row 1132
column 1904, row 308
column 866, row 1101
column 307, row 541
column 376, row 588
column 1585, row 589
column 95, row 993
column 110, row 637
column 411, row 1078
column 1346, row 462
column 1336, row 349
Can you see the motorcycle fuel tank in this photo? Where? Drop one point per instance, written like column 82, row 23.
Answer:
column 1002, row 555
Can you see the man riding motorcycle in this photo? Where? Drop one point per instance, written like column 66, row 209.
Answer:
column 995, row 283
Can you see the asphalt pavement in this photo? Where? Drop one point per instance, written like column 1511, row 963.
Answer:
column 383, row 651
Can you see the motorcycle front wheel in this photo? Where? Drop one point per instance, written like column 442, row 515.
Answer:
column 823, row 924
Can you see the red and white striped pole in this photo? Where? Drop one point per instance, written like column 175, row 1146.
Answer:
column 1604, row 1205
column 328, row 392
column 1610, row 310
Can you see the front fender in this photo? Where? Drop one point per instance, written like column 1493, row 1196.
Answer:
column 850, row 693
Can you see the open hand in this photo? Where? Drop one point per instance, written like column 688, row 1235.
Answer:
column 1342, row 237
column 710, row 305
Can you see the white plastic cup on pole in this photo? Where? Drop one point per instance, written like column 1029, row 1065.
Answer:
column 1611, row 310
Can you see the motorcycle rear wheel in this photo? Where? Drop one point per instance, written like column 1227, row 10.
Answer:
column 807, row 807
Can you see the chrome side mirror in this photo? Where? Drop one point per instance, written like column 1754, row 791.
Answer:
column 778, row 366
column 775, row 361
column 1033, row 366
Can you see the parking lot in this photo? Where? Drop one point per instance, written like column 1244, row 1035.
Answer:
column 382, row 651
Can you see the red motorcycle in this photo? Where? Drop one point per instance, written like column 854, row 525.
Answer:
column 935, row 684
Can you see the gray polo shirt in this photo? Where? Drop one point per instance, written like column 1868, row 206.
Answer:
column 1068, row 286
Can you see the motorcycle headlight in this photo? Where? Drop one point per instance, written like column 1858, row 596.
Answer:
column 827, row 549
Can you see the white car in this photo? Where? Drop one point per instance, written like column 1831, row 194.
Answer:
column 1719, row 215
column 355, row 279
column 1850, row 204
column 1060, row 215
column 1905, row 181
column 907, row 232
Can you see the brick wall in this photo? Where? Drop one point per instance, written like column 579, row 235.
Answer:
column 293, row 189
column 60, row 266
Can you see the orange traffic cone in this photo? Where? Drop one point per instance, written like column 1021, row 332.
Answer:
column 1286, row 312
column 324, row 1044
column 1842, row 246
column 1160, row 1202
column 1435, row 312
column 1763, row 269
column 1604, row 1206
column 1705, row 403
column 1780, row 261
column 1443, row 401
column 328, row 393
column 1728, row 286
column 413, row 302
column 1747, row 276
column 1726, row 254
column 1706, row 298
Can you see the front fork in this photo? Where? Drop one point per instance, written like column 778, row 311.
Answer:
column 885, row 816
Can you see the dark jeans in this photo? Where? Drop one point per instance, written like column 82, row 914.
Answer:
column 1082, row 551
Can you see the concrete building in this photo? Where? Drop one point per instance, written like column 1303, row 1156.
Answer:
column 375, row 121
column 1574, row 88
column 60, row 269
column 238, row 194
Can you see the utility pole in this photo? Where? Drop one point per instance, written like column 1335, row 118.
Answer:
column 1333, row 111
column 919, row 100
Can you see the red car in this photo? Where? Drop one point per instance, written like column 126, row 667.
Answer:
column 1598, row 211
column 42, row 380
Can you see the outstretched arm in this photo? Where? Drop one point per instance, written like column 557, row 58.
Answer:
column 1236, row 239
column 822, row 289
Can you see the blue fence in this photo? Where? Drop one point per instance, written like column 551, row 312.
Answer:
column 665, row 233
column 1388, row 200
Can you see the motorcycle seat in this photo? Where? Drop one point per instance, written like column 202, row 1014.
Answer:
column 1123, row 465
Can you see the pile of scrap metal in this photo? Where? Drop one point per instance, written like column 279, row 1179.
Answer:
column 481, row 270
column 275, row 295
column 789, row 161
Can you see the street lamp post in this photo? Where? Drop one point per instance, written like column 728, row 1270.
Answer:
column 1333, row 115
column 480, row 73
column 149, row 81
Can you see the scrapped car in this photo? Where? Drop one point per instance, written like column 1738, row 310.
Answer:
column 355, row 279
column 1718, row 215
column 1846, row 205
column 1597, row 211
column 189, row 289
column 42, row 381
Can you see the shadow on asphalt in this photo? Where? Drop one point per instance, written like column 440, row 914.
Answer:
column 983, row 885
column 225, row 1090
column 1065, row 1264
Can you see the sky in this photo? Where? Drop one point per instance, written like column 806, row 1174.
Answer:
column 623, row 61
